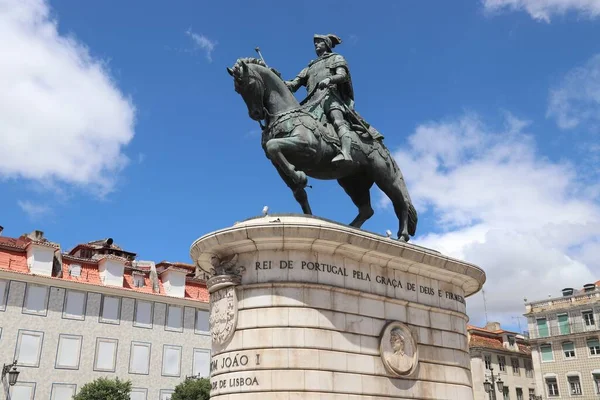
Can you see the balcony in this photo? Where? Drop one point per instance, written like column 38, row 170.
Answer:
column 562, row 330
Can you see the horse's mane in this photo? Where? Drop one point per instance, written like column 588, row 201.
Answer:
column 257, row 61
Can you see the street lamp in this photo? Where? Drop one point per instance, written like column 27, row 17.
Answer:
column 489, row 385
column 12, row 374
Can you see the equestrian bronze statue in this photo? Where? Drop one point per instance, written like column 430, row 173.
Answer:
column 323, row 136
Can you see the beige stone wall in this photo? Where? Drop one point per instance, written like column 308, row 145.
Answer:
column 12, row 319
column 303, row 345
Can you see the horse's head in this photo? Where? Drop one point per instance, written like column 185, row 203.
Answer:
column 249, row 84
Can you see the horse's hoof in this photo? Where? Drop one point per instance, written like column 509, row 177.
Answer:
column 403, row 238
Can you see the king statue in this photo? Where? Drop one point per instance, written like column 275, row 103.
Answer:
column 328, row 79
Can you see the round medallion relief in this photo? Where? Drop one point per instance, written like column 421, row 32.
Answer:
column 398, row 349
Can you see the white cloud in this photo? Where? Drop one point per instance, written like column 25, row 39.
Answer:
column 203, row 43
column 33, row 210
column 62, row 118
column 543, row 9
column 499, row 204
column 576, row 100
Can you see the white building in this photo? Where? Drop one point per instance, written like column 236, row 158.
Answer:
column 69, row 318
column 565, row 343
column 505, row 354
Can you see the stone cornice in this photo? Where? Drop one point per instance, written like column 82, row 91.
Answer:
column 108, row 290
column 298, row 232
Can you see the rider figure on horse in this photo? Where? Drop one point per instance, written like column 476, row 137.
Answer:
column 329, row 72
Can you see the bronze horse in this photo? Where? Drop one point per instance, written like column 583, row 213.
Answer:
column 298, row 144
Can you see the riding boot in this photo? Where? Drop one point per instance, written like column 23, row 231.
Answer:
column 346, row 141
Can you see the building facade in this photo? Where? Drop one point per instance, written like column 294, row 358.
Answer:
column 565, row 338
column 505, row 354
column 96, row 311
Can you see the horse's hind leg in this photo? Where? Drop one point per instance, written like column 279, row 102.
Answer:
column 391, row 182
column 358, row 188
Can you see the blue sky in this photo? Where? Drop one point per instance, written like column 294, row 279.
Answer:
column 119, row 120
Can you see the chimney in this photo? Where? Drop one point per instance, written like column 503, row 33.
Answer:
column 36, row 235
column 1, row 229
column 492, row 326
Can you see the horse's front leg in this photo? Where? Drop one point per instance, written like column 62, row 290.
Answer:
column 298, row 191
column 275, row 149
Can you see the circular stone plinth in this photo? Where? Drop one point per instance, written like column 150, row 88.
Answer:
column 326, row 310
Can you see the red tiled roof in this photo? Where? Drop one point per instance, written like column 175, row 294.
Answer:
column 19, row 243
column 494, row 343
column 13, row 258
column 14, row 261
column 196, row 290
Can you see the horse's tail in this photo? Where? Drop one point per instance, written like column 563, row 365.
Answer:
column 412, row 220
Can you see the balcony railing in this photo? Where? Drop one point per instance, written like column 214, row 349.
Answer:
column 563, row 329
column 563, row 300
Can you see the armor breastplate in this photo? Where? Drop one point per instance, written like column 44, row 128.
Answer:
column 316, row 73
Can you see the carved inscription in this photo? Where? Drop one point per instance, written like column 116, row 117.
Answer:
column 220, row 363
column 316, row 267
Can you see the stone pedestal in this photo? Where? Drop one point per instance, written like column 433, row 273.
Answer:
column 304, row 308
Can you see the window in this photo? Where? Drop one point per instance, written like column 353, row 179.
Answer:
column 36, row 300
column 110, row 310
column 505, row 394
column 174, row 319
column 138, row 394
column 63, row 391
column 74, row 307
column 139, row 359
column 594, row 346
column 515, row 366
column 552, row 386
column 563, row 324
column 171, row 360
column 531, row 393
column 542, row 327
column 511, row 340
column 546, row 351
column 29, row 348
column 502, row 363
column 22, row 391
column 588, row 318
column 519, row 394
column 596, row 378
column 138, row 279
column 574, row 385
column 75, row 270
column 165, row 394
column 201, row 363
column 568, row 349
column 106, row 355
column 202, row 322
column 68, row 351
column 528, row 369
column 143, row 314
column 488, row 361
column 3, row 294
